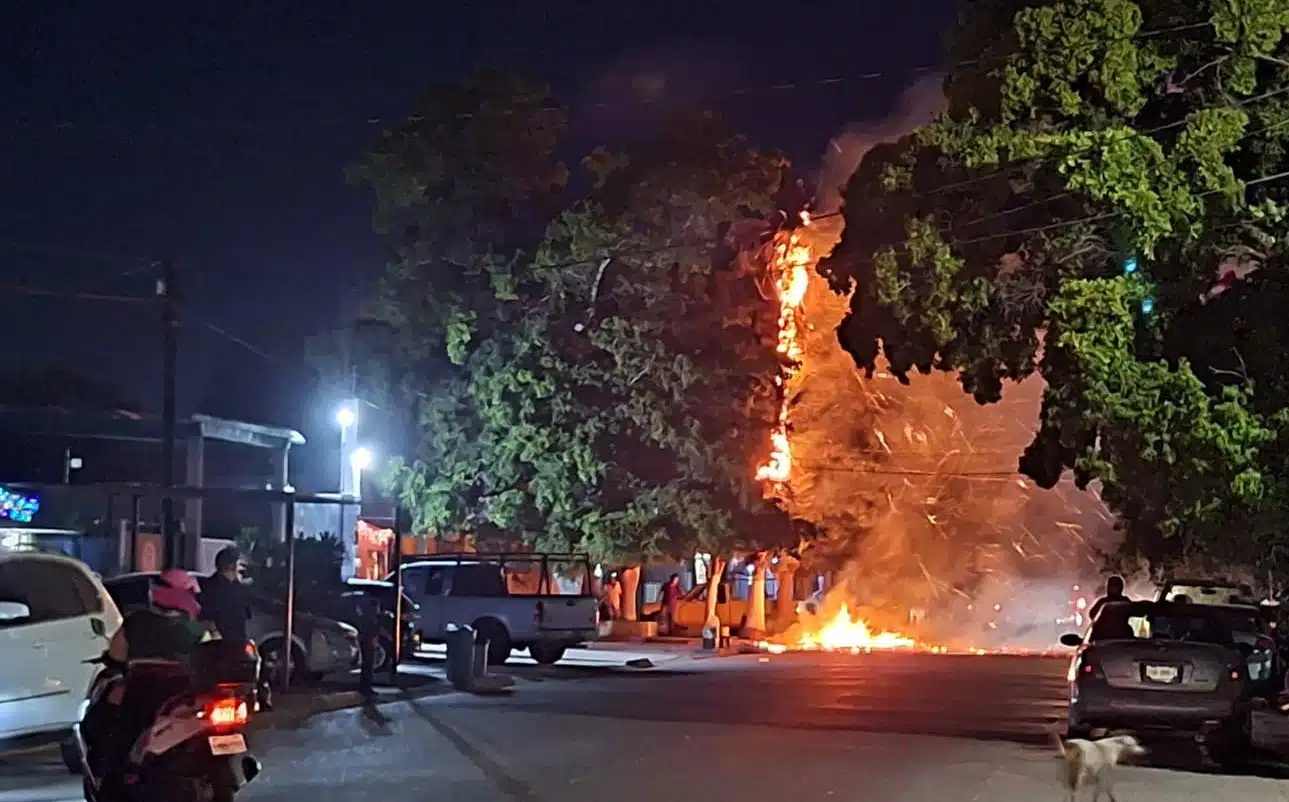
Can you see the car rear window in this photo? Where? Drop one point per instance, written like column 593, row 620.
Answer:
column 1210, row 594
column 1147, row 620
column 1242, row 621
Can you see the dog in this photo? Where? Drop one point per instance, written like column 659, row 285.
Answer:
column 1090, row 764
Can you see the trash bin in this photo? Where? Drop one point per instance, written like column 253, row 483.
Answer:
column 461, row 650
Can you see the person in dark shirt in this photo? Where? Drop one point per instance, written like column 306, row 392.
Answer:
column 225, row 600
column 226, row 604
column 1113, row 593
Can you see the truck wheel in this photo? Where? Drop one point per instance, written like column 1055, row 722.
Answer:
column 492, row 631
column 546, row 654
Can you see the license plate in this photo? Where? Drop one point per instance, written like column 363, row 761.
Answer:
column 227, row 744
column 1161, row 673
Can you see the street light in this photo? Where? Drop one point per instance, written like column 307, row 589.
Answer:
column 361, row 459
column 346, row 417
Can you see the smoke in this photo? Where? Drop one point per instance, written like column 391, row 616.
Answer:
column 918, row 105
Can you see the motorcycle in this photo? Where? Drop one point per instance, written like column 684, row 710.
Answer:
column 195, row 745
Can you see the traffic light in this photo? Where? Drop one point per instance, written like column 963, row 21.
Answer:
column 1131, row 265
column 1147, row 305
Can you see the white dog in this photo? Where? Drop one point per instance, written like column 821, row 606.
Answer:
column 1091, row 763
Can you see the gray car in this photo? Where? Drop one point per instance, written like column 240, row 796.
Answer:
column 1163, row 667
column 322, row 645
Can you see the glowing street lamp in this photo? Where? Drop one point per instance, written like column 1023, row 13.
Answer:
column 346, row 417
column 361, row 459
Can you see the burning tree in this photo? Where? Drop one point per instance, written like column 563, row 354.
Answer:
column 596, row 372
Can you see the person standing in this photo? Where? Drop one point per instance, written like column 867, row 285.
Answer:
column 613, row 597
column 1113, row 593
column 369, row 620
column 670, row 605
column 226, row 605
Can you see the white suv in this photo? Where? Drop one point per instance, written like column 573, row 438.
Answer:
column 54, row 616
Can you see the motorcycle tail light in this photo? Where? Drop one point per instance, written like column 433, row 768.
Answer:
column 227, row 713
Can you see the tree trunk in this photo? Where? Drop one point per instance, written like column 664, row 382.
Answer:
column 755, row 627
column 785, row 607
column 630, row 593
column 715, row 574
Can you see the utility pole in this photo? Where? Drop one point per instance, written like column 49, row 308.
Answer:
column 175, row 550
column 70, row 463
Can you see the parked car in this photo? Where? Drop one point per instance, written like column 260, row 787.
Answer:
column 322, row 645
column 1252, row 623
column 54, row 616
column 345, row 604
column 475, row 590
column 1151, row 665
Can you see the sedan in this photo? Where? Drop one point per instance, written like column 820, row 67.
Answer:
column 345, row 603
column 1163, row 666
column 322, row 645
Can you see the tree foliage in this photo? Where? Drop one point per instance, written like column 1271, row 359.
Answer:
column 595, row 369
column 1067, row 216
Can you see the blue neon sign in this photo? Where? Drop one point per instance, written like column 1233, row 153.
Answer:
column 18, row 508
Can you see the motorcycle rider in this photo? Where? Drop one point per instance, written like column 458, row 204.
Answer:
column 166, row 631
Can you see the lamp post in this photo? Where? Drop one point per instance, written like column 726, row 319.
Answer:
column 347, row 528
column 347, row 418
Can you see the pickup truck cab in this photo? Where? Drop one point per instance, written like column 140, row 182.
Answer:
column 490, row 594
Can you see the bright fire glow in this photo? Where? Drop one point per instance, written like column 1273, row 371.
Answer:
column 845, row 633
column 790, row 268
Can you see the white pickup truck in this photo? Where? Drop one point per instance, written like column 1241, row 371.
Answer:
column 514, row 601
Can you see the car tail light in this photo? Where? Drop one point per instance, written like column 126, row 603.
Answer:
column 1085, row 669
column 226, row 713
column 1235, row 672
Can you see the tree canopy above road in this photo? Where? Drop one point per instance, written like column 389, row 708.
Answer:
column 594, row 367
column 1102, row 165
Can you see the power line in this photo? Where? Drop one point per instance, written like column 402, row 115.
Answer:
column 770, row 88
column 1037, row 160
column 239, row 341
column 1060, row 224
column 40, row 292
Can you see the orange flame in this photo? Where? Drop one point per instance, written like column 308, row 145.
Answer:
column 844, row 633
column 790, row 266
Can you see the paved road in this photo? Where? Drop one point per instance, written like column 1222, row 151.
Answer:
column 842, row 727
column 1018, row 699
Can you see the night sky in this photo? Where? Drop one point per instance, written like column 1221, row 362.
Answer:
column 216, row 133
